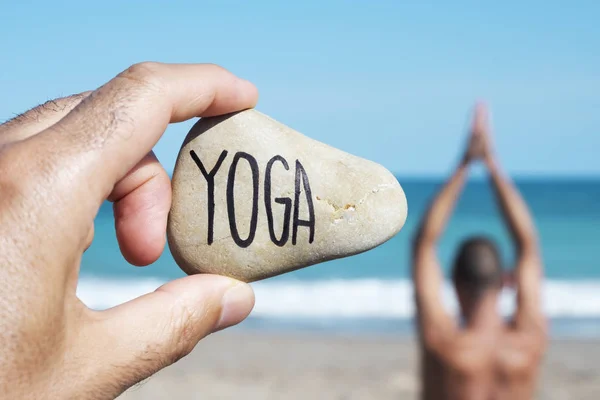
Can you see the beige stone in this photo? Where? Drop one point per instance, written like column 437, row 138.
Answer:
column 326, row 204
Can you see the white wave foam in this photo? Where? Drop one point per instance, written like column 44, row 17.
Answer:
column 368, row 298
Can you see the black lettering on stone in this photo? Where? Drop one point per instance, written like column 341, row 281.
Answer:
column 230, row 199
column 286, row 201
column 301, row 176
column 210, row 181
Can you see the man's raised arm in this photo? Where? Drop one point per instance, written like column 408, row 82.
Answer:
column 528, row 273
column 427, row 275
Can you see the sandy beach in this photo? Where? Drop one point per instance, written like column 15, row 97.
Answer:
column 254, row 366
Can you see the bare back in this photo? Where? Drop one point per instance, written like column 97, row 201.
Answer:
column 483, row 366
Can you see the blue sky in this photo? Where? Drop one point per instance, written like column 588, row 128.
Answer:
column 392, row 81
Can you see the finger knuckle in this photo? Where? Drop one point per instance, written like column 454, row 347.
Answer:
column 215, row 68
column 74, row 99
column 146, row 74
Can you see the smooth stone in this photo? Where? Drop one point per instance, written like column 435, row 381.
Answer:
column 356, row 204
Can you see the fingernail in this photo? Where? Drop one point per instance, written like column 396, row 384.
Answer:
column 235, row 305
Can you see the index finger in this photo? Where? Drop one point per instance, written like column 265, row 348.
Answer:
column 118, row 124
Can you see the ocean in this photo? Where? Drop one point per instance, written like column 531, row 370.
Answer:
column 371, row 293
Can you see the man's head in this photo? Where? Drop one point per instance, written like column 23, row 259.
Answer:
column 477, row 271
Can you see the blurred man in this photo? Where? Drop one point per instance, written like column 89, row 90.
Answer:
column 483, row 357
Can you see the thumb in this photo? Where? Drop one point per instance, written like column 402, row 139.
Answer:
column 138, row 338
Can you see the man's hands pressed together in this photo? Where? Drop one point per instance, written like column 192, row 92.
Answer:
column 58, row 163
column 479, row 146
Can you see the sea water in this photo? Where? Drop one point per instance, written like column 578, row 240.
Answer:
column 372, row 292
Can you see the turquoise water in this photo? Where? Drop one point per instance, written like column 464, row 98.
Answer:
column 374, row 285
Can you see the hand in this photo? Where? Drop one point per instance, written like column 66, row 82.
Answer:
column 58, row 163
column 479, row 147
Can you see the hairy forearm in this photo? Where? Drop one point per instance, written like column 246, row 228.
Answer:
column 513, row 207
column 442, row 205
column 529, row 270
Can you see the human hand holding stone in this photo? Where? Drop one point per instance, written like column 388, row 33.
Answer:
column 58, row 163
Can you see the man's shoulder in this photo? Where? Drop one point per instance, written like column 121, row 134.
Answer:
column 520, row 353
column 464, row 351
column 469, row 354
column 531, row 339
